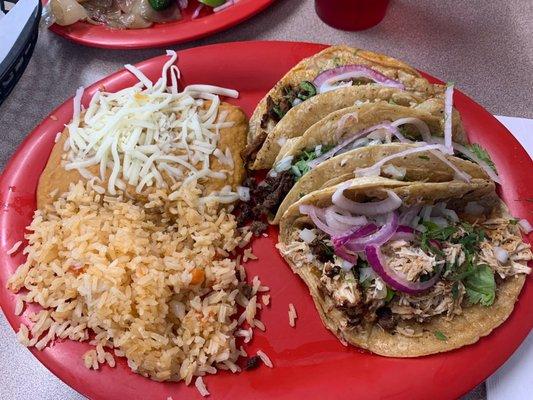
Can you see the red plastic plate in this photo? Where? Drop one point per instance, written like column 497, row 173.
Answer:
column 309, row 362
column 160, row 35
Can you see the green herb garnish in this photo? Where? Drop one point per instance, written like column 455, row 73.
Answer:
column 455, row 291
column 439, row 335
column 277, row 110
column 424, row 158
column 480, row 286
column 390, row 295
column 307, row 90
column 301, row 166
column 482, row 154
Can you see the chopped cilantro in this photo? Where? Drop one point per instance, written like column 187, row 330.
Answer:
column 514, row 221
column 307, row 90
column 390, row 295
column 277, row 110
column 424, row 158
column 439, row 335
column 480, row 286
column 430, row 239
column 337, row 61
column 327, row 249
column 455, row 291
column 482, row 154
column 301, row 166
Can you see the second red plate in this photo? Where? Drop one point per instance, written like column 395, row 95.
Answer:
column 166, row 34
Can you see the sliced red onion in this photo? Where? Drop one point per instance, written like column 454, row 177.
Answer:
column 404, row 233
column 461, row 175
column 392, row 278
column 464, row 150
column 227, row 4
column 343, row 120
column 383, row 235
column 375, row 170
column 353, row 234
column 197, row 11
column 346, row 142
column 183, row 4
column 391, row 203
column 326, row 80
column 317, row 214
column 345, row 254
column 525, row 226
column 332, row 221
column 448, row 107
column 346, row 218
column 420, row 125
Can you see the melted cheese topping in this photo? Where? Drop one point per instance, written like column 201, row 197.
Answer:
column 147, row 130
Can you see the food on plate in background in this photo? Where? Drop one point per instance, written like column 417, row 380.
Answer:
column 406, row 269
column 126, row 14
column 134, row 247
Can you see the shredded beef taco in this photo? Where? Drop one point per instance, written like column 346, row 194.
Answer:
column 340, row 132
column 394, row 160
column 407, row 269
column 299, row 119
column 318, row 85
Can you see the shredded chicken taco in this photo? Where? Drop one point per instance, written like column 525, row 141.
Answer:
column 335, row 78
column 406, row 269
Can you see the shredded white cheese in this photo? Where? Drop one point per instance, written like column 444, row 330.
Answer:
column 150, row 134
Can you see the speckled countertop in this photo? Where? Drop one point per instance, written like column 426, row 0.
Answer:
column 485, row 47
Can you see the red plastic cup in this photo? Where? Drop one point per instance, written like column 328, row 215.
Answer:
column 351, row 15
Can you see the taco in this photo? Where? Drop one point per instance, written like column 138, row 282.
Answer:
column 309, row 91
column 350, row 128
column 395, row 162
column 407, row 269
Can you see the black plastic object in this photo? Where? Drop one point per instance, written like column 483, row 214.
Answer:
column 13, row 66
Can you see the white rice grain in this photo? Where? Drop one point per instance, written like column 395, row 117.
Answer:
column 19, row 306
column 14, row 248
column 200, row 385
column 258, row 324
column 266, row 360
column 292, row 315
